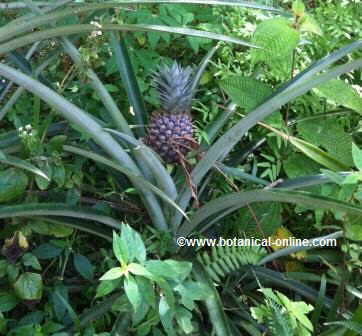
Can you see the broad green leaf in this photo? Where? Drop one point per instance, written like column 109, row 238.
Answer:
column 47, row 251
column 59, row 175
column 41, row 182
column 132, row 292
column 298, row 164
column 191, row 291
column 7, row 301
column 138, row 269
column 120, row 248
column 83, row 266
column 183, row 318
column 357, row 156
column 64, row 301
column 169, row 269
column 44, row 227
column 134, row 243
column 278, row 39
column 147, row 290
column 30, row 259
column 113, row 273
column 107, row 287
column 341, row 93
column 246, row 92
column 29, row 286
column 13, row 183
column 166, row 316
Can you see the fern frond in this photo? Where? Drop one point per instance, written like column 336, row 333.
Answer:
column 278, row 321
column 225, row 260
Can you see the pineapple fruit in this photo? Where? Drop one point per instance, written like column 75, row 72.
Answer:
column 170, row 129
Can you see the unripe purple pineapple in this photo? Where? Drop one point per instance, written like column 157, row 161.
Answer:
column 170, row 129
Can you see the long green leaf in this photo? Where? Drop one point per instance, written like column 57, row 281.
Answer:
column 313, row 243
column 89, row 126
column 80, row 224
column 27, row 24
column 213, row 303
column 240, row 199
column 317, row 155
column 127, row 172
column 129, row 81
column 57, row 209
column 89, row 28
column 201, row 68
column 307, row 181
column 19, row 163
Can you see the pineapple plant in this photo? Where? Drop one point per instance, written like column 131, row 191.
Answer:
column 170, row 130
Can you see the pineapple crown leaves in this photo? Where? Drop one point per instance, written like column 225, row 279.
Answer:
column 174, row 86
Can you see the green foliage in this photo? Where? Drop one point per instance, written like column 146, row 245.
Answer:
column 13, row 183
column 88, row 85
column 341, row 93
column 247, row 92
column 283, row 316
column 140, row 281
column 29, row 286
